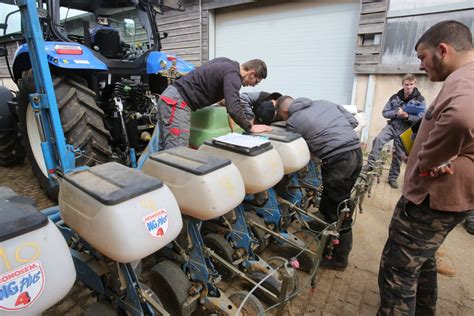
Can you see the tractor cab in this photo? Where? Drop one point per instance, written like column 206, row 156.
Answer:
column 118, row 34
column 122, row 30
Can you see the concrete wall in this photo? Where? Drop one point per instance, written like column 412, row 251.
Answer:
column 384, row 87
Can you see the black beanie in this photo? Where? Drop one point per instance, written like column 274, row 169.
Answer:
column 264, row 113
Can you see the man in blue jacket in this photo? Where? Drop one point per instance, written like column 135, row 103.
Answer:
column 328, row 129
column 402, row 110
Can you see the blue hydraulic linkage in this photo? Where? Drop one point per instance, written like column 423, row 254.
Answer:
column 44, row 103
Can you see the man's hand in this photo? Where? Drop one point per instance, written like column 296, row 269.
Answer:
column 444, row 168
column 402, row 114
column 448, row 169
column 259, row 128
column 404, row 158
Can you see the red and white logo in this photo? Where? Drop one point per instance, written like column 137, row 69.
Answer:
column 156, row 223
column 21, row 287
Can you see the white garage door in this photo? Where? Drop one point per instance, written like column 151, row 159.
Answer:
column 307, row 46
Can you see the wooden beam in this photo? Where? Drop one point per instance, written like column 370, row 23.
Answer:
column 373, row 7
column 378, row 17
column 183, row 45
column 368, row 49
column 371, row 28
column 223, row 3
column 187, row 51
column 178, row 18
column 367, row 59
column 180, row 25
column 387, row 69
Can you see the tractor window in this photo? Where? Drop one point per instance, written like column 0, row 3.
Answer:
column 10, row 15
column 67, row 13
column 71, row 22
column 125, row 22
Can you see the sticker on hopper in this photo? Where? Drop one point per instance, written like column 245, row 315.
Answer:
column 21, row 287
column 156, row 223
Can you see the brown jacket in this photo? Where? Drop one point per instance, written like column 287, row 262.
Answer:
column 447, row 130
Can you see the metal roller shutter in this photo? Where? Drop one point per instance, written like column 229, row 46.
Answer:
column 308, row 46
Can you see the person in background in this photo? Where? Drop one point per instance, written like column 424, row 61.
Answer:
column 437, row 190
column 402, row 110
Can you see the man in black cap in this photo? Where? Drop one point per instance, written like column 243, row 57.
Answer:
column 260, row 106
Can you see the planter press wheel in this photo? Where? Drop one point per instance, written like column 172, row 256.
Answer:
column 272, row 284
column 277, row 262
column 288, row 251
column 172, row 286
column 252, row 306
column 223, row 249
column 259, row 234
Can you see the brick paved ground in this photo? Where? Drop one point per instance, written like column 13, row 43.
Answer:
column 355, row 291
column 20, row 179
column 352, row 292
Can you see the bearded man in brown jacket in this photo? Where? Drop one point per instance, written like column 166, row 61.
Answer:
column 438, row 187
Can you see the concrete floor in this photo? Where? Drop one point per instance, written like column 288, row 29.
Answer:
column 352, row 292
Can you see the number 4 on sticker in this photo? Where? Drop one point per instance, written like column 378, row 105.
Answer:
column 160, row 232
column 23, row 299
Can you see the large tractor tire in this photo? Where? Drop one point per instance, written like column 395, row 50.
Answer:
column 11, row 150
column 81, row 120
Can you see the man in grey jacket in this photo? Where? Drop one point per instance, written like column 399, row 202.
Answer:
column 328, row 131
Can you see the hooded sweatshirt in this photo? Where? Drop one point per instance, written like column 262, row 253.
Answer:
column 327, row 127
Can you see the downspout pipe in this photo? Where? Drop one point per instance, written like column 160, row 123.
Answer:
column 200, row 31
column 369, row 105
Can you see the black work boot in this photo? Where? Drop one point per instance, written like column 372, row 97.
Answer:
column 393, row 184
column 340, row 253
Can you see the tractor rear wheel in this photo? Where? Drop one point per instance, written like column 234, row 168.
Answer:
column 81, row 120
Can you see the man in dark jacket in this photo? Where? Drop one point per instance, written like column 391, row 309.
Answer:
column 328, row 131
column 220, row 78
column 403, row 109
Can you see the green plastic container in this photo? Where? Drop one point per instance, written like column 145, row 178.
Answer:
column 208, row 123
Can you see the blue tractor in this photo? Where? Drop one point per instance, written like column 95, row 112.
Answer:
column 108, row 70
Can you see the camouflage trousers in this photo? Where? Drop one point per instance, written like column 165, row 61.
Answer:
column 407, row 275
